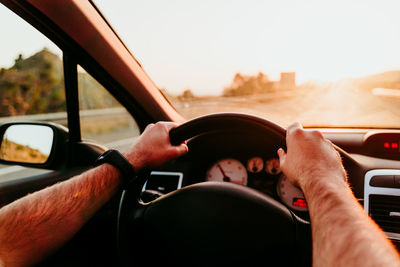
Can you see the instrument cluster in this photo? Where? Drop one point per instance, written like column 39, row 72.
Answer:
column 264, row 175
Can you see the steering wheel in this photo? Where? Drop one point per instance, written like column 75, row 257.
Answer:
column 210, row 224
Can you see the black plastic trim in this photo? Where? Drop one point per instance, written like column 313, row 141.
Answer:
column 43, row 24
column 72, row 98
column 57, row 156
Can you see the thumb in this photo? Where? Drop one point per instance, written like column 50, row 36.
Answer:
column 282, row 156
column 182, row 149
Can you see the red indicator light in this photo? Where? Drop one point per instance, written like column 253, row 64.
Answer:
column 395, row 145
column 299, row 202
column 387, row 145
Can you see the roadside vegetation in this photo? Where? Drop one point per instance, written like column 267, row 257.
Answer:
column 12, row 151
column 35, row 85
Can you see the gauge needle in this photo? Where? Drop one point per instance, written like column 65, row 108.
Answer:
column 225, row 178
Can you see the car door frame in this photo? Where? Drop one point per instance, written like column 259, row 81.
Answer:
column 80, row 154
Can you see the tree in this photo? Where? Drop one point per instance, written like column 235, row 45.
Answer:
column 243, row 85
column 17, row 61
column 187, row 95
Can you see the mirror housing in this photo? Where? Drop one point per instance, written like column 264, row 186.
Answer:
column 33, row 144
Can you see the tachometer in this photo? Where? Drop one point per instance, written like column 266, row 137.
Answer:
column 228, row 170
column 291, row 195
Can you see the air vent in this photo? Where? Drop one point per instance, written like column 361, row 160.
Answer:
column 385, row 210
column 163, row 182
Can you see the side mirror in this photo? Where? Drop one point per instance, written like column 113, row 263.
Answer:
column 39, row 145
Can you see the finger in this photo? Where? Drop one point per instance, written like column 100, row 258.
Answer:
column 282, row 156
column 181, row 150
column 292, row 127
column 294, row 132
column 170, row 125
column 150, row 125
column 281, row 153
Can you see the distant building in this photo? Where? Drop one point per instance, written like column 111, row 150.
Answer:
column 288, row 80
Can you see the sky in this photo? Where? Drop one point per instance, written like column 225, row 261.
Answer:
column 22, row 134
column 200, row 45
column 18, row 37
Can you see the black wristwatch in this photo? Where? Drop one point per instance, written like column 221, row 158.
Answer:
column 115, row 158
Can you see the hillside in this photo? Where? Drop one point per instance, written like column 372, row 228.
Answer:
column 32, row 85
column 389, row 79
column 92, row 95
column 35, row 85
column 21, row 153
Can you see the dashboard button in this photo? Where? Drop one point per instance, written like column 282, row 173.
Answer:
column 384, row 181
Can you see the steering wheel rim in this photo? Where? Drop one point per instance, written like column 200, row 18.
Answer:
column 223, row 122
column 157, row 221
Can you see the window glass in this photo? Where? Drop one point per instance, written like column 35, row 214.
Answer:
column 103, row 119
column 31, row 81
column 321, row 63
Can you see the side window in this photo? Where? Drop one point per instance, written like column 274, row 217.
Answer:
column 103, row 119
column 31, row 81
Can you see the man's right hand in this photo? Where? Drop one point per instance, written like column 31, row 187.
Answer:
column 342, row 232
column 153, row 148
column 309, row 156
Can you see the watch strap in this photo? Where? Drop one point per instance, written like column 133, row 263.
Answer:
column 116, row 159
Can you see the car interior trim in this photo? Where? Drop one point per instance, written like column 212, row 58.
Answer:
column 374, row 190
column 165, row 173
column 71, row 97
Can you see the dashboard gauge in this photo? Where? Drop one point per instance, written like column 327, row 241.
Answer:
column 255, row 164
column 228, row 170
column 291, row 195
column 272, row 166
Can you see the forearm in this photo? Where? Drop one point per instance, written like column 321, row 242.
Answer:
column 343, row 235
column 37, row 224
column 34, row 226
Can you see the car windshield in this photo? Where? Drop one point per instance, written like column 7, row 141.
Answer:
column 322, row 63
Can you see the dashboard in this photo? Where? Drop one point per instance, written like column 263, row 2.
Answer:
column 371, row 159
column 249, row 160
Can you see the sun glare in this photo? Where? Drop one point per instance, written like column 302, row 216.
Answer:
column 201, row 45
column 330, row 41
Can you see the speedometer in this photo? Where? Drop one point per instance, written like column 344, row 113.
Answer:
column 228, row 170
column 291, row 195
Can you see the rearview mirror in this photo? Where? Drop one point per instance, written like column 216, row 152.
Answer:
column 27, row 143
column 33, row 144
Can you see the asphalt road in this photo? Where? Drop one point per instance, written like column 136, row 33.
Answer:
column 339, row 104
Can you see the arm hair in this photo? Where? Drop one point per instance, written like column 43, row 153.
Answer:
column 343, row 234
column 36, row 225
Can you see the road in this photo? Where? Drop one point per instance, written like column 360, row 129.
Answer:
column 339, row 104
